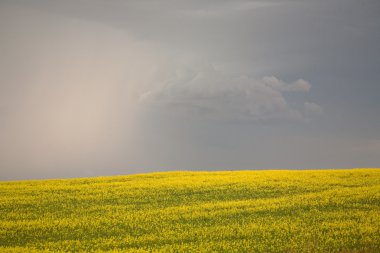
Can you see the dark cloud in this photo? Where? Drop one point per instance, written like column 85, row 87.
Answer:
column 107, row 87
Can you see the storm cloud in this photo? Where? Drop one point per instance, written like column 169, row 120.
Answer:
column 115, row 87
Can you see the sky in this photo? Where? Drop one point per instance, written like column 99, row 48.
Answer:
column 109, row 87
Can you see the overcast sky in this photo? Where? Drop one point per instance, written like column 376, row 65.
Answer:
column 107, row 87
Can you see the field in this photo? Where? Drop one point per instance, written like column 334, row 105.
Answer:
column 241, row 211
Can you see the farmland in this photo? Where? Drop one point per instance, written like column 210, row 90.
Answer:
column 231, row 211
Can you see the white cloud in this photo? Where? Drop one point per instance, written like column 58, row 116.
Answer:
column 299, row 85
column 312, row 109
column 212, row 94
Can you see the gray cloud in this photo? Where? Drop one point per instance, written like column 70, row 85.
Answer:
column 68, row 96
column 216, row 95
column 98, row 87
column 229, row 8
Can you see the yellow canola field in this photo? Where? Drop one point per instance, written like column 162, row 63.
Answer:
column 231, row 211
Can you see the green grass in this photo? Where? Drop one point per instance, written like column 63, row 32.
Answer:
column 241, row 211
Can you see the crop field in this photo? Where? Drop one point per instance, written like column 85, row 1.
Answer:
column 240, row 211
